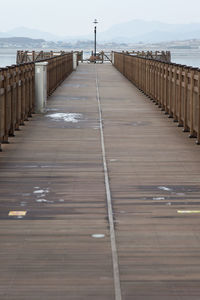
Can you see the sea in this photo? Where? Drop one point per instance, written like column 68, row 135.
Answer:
column 7, row 57
column 187, row 57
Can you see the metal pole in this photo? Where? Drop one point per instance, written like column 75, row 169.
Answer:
column 95, row 41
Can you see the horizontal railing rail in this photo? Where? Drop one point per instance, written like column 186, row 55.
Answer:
column 17, row 91
column 175, row 88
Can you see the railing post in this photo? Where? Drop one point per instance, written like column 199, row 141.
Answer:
column 2, row 107
column 123, row 64
column 22, row 95
column 192, row 135
column 7, row 108
column 159, row 85
column 40, row 86
column 198, row 129
column 13, row 101
column 185, row 101
column 175, row 95
column 166, row 88
column 162, row 105
column 180, row 123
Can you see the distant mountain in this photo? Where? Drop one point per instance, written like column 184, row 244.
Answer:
column 29, row 33
column 144, row 31
column 166, row 36
column 150, row 32
column 129, row 32
column 21, row 42
column 39, row 34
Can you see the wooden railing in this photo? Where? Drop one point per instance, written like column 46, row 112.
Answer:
column 35, row 56
column 17, row 91
column 175, row 88
column 16, row 98
column 163, row 56
column 58, row 69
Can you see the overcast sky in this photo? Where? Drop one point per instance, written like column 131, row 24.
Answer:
column 74, row 17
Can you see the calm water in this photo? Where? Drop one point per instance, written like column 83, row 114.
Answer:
column 7, row 57
column 185, row 57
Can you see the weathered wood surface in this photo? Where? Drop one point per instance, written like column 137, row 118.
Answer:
column 153, row 171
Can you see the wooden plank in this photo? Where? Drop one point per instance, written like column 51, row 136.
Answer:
column 154, row 172
column 53, row 171
column 51, row 252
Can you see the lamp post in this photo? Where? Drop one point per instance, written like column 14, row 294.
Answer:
column 95, row 39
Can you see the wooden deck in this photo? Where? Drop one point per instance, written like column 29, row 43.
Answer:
column 54, row 170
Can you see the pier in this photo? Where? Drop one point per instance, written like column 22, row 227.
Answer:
column 99, row 194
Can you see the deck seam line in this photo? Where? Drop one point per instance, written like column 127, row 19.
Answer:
column 115, row 260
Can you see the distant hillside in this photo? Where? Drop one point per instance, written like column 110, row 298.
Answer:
column 21, row 40
column 17, row 42
column 150, row 32
column 30, row 33
column 134, row 31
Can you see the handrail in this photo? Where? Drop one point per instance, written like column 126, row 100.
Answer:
column 174, row 88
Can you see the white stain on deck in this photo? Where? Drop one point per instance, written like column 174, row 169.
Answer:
column 164, row 188
column 158, row 198
column 41, row 191
column 66, row 117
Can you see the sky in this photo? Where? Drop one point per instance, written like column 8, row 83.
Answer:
column 65, row 18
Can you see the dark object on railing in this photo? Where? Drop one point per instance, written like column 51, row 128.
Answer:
column 17, row 91
column 100, row 57
column 79, row 55
column 175, row 88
